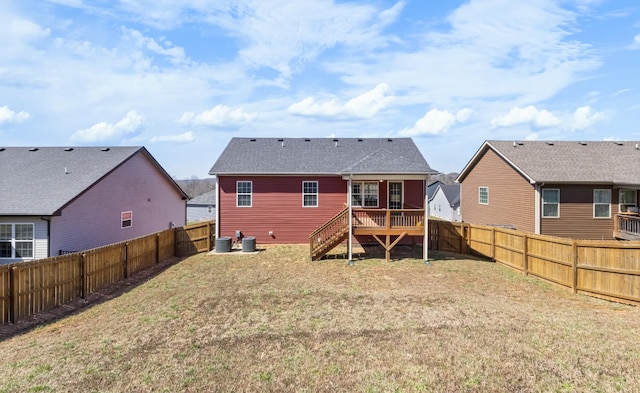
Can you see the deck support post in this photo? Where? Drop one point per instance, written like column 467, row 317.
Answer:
column 350, row 239
column 425, row 242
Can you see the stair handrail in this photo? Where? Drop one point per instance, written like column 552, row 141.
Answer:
column 331, row 221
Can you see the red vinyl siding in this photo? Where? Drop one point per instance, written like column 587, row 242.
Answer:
column 576, row 214
column 277, row 206
column 511, row 196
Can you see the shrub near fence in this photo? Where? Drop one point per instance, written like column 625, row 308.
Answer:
column 27, row 288
column 605, row 269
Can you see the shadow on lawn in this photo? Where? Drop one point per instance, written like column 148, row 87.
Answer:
column 42, row 318
column 401, row 252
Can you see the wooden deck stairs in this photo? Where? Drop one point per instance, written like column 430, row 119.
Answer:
column 329, row 235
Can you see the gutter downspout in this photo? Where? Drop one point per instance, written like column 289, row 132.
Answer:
column 217, row 207
column 537, row 195
column 350, row 241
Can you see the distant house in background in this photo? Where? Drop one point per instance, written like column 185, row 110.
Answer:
column 431, row 189
column 581, row 190
column 202, row 207
column 55, row 199
column 444, row 202
column 283, row 190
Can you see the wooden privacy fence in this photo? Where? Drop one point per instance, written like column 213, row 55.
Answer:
column 27, row 288
column 606, row 269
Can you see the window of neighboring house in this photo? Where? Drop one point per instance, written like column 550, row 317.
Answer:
column 602, row 203
column 551, row 202
column 310, row 193
column 126, row 219
column 483, row 195
column 243, row 193
column 16, row 241
column 364, row 194
column 627, row 199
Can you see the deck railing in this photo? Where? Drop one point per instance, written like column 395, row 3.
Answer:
column 627, row 226
column 389, row 219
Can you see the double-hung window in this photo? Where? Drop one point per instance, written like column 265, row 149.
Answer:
column 602, row 203
column 244, row 190
column 551, row 202
column 483, row 195
column 364, row 194
column 16, row 241
column 310, row 194
column 627, row 199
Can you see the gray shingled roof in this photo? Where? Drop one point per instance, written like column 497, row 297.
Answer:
column 321, row 156
column 41, row 181
column 452, row 193
column 208, row 198
column 569, row 161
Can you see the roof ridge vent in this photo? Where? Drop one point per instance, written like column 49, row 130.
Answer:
column 105, row 149
column 619, row 143
column 34, row 149
column 550, row 143
column 583, row 143
column 336, row 142
column 2, row 148
column 68, row 149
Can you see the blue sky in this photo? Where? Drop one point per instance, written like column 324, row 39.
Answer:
column 183, row 77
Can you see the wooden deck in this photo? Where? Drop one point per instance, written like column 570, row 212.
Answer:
column 627, row 226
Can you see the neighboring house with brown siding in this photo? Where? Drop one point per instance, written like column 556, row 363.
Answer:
column 580, row 190
column 56, row 199
column 282, row 190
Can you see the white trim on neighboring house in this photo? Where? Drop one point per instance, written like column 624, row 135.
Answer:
column 537, row 207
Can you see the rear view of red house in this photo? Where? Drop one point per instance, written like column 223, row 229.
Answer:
column 285, row 190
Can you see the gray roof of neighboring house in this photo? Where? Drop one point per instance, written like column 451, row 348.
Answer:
column 452, row 192
column 330, row 156
column 432, row 187
column 42, row 181
column 208, row 198
column 567, row 161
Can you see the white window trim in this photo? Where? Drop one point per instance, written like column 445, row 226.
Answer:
column 122, row 219
column 621, row 204
column 601, row 203
column 362, row 194
column 244, row 193
column 317, row 193
column 402, row 193
column 479, row 194
column 13, row 240
column 544, row 203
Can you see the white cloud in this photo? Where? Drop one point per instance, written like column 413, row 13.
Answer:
column 181, row 138
column 584, row 117
column 219, row 115
column 436, row 122
column 363, row 106
column 102, row 131
column 9, row 116
column 528, row 115
column 175, row 53
column 636, row 42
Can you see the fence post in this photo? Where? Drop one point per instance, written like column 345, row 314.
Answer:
column 574, row 280
column 126, row 258
column 525, row 254
column 493, row 243
column 158, row 248
column 467, row 238
column 12, row 297
column 83, row 278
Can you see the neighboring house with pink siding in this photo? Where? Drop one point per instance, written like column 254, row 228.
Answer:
column 55, row 199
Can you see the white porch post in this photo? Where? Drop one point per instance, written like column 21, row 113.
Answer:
column 350, row 241
column 425, row 243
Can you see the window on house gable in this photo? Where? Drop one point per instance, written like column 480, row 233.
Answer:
column 244, row 191
column 483, row 195
column 602, row 203
column 126, row 219
column 551, row 202
column 627, row 199
column 310, row 193
column 16, row 241
column 364, row 194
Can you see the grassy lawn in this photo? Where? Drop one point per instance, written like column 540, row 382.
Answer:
column 275, row 321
